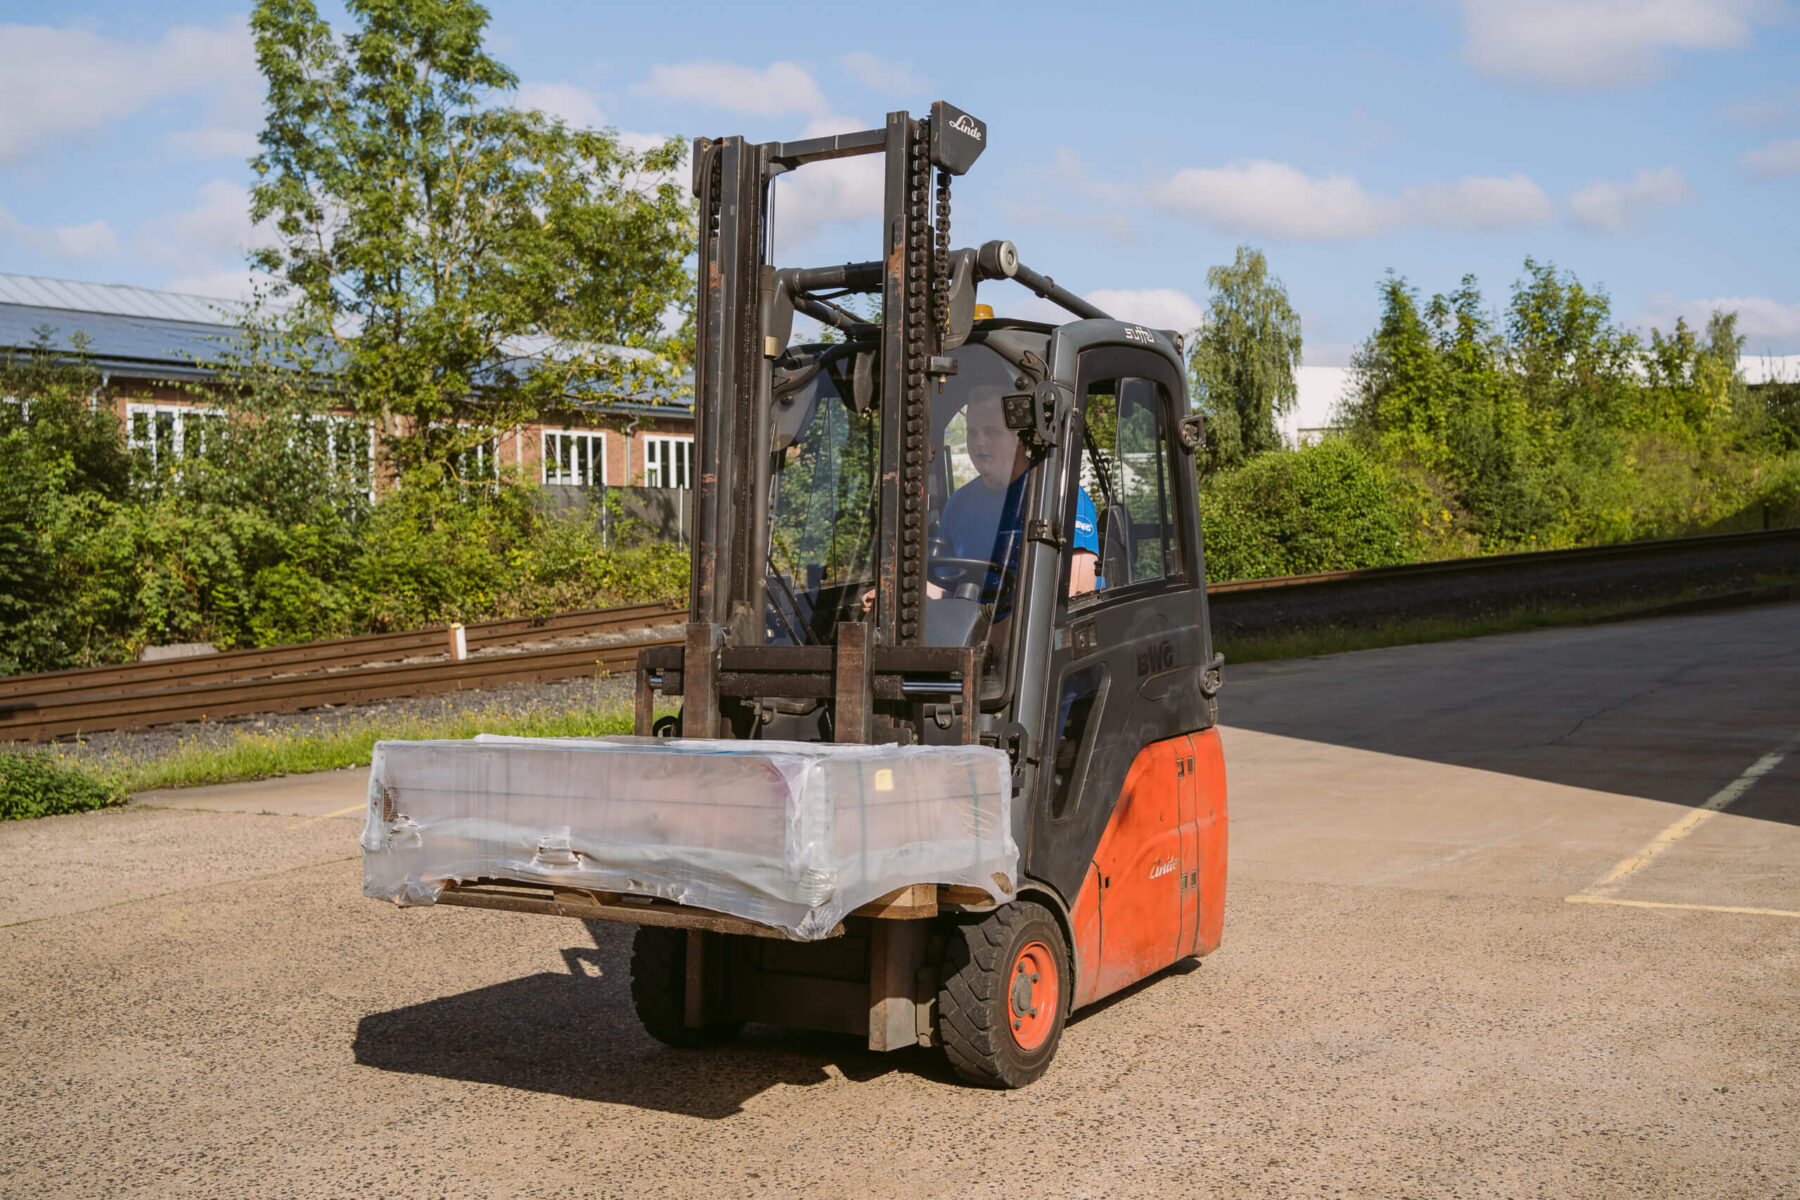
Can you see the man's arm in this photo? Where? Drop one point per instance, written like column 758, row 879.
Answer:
column 1082, row 570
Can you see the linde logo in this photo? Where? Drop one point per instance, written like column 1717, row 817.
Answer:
column 1162, row 868
column 964, row 123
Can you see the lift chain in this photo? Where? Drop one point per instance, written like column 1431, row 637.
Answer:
column 915, row 421
column 940, row 283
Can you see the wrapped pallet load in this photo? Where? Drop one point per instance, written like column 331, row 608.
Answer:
column 793, row 835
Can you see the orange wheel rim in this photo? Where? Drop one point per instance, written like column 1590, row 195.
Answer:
column 1032, row 994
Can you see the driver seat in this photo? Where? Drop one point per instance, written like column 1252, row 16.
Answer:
column 1116, row 551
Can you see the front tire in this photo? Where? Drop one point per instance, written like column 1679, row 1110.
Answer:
column 659, row 988
column 1005, row 995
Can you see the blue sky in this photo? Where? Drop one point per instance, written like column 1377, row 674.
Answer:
column 1651, row 146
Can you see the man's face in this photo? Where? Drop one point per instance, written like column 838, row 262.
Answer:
column 993, row 448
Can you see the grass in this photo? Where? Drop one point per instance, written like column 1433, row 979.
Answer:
column 302, row 750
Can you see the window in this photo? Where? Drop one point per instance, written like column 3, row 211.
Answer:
column 574, row 457
column 1126, row 469
column 479, row 463
column 1081, row 691
column 168, row 433
column 347, row 444
column 669, row 462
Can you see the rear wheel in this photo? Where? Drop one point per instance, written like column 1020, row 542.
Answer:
column 1004, row 996
column 659, row 987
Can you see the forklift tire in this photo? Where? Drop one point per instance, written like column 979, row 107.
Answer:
column 659, row 990
column 1004, row 995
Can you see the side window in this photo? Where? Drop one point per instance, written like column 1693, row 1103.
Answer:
column 1075, row 709
column 1126, row 471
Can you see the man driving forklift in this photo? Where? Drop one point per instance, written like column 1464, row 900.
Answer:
column 981, row 519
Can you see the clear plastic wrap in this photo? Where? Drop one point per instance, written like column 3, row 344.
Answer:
column 790, row 834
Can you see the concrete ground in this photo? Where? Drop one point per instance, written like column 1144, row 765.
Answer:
column 1407, row 1002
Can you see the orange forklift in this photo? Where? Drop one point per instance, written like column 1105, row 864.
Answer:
column 939, row 527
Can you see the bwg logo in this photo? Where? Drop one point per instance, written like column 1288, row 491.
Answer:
column 1162, row 868
column 964, row 123
column 1152, row 659
column 1135, row 334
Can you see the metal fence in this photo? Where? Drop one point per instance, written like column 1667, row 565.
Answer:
column 656, row 513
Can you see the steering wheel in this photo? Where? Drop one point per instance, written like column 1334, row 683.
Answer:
column 969, row 570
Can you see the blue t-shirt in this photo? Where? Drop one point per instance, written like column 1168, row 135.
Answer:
column 983, row 524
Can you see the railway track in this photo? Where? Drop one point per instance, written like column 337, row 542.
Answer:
column 331, row 655
column 362, row 669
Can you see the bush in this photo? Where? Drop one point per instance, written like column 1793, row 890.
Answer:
column 1326, row 507
column 32, row 785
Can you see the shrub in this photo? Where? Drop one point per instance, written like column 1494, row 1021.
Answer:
column 1326, row 507
column 32, row 785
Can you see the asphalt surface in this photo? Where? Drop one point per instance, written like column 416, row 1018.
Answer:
column 1407, row 1002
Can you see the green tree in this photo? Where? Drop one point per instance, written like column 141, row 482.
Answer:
column 1397, row 388
column 1244, row 358
column 470, row 261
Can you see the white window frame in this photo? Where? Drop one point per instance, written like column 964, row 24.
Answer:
column 179, row 414
column 666, row 454
column 586, row 449
column 334, row 424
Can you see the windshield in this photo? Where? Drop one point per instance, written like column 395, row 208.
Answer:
column 823, row 497
column 822, row 493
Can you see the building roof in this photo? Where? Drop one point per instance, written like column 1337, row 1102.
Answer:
column 125, row 330
column 116, row 299
column 142, row 333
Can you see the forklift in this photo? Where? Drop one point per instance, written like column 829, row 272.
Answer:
column 938, row 527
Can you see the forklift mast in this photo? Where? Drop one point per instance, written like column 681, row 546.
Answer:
column 875, row 674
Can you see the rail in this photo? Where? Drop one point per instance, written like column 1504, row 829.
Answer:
column 336, row 653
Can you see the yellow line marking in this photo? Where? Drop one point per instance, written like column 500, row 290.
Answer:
column 1580, row 898
column 342, row 812
column 1602, row 890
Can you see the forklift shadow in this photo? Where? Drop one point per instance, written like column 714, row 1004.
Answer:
column 576, row 1035
column 1185, row 966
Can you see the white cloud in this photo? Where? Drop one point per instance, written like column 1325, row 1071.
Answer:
column 1777, row 160
column 1478, row 203
column 573, row 105
column 879, row 76
column 1583, row 45
column 826, row 193
column 1768, row 325
column 778, row 88
column 89, row 241
column 204, row 246
column 1159, row 308
column 57, row 84
column 1606, row 206
column 1272, row 199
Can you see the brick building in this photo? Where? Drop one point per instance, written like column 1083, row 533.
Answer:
column 145, row 345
